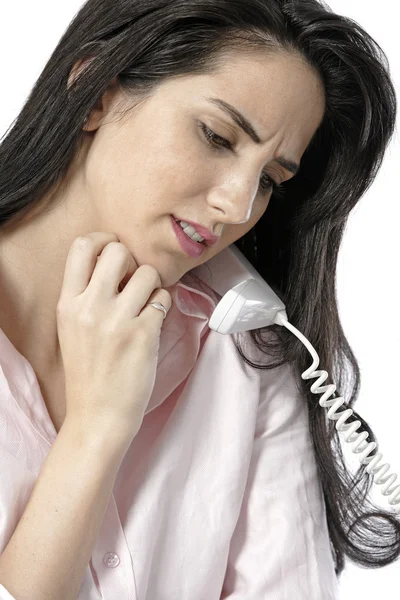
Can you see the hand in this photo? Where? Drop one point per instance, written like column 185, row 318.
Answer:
column 109, row 338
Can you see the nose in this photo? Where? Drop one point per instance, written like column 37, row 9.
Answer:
column 233, row 206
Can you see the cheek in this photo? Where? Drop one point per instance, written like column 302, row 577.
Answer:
column 109, row 167
column 180, row 172
column 123, row 178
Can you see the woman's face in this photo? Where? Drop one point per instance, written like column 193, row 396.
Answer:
column 153, row 162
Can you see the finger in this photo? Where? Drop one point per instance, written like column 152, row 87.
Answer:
column 81, row 261
column 114, row 265
column 149, row 313
column 138, row 290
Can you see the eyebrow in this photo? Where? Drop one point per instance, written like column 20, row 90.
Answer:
column 248, row 128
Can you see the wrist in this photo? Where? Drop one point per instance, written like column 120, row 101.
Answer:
column 98, row 435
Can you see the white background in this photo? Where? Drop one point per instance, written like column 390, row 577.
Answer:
column 368, row 271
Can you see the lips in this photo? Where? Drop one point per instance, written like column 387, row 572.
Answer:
column 190, row 247
column 209, row 238
column 204, row 243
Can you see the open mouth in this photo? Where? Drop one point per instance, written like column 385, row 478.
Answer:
column 189, row 246
column 203, row 243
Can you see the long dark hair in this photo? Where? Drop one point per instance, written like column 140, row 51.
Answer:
column 295, row 244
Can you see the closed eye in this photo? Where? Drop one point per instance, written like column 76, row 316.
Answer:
column 266, row 182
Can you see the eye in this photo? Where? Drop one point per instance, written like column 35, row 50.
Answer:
column 266, row 182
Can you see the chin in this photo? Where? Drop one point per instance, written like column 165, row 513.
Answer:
column 168, row 266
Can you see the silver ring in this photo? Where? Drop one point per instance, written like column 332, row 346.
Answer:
column 159, row 306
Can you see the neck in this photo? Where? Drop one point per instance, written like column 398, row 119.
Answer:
column 32, row 262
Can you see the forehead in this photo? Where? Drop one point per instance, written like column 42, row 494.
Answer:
column 279, row 93
column 276, row 91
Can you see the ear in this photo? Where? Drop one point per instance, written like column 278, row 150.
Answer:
column 78, row 67
column 102, row 106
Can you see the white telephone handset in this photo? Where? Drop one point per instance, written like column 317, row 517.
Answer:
column 248, row 303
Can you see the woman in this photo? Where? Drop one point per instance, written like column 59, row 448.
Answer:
column 133, row 125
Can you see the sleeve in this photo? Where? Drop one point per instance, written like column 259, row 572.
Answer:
column 4, row 595
column 280, row 548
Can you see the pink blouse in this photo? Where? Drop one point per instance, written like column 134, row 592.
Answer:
column 218, row 495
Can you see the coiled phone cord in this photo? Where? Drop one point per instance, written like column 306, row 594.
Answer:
column 350, row 435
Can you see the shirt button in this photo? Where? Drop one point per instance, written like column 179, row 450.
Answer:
column 111, row 560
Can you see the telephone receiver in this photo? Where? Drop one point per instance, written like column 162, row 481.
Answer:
column 247, row 303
